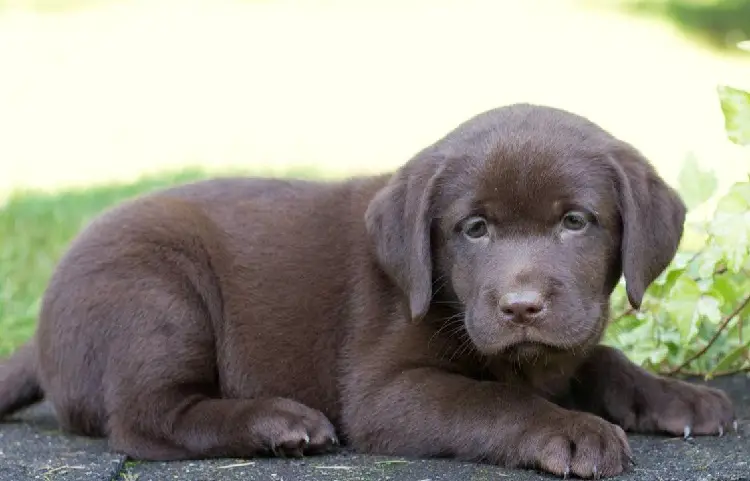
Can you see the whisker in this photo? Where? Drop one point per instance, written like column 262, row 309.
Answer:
column 450, row 325
column 461, row 349
column 450, row 303
column 443, row 280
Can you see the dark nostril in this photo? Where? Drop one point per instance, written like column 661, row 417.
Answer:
column 522, row 305
column 533, row 309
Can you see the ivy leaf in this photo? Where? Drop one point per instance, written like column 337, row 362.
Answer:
column 681, row 306
column 708, row 307
column 725, row 289
column 731, row 225
column 666, row 280
column 735, row 105
column 646, row 351
column 728, row 361
column 658, row 354
column 681, row 260
column 695, row 184
column 708, row 259
column 733, row 233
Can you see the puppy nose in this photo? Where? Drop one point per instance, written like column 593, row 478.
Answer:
column 522, row 307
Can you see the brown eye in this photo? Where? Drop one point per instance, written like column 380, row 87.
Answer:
column 475, row 228
column 575, row 221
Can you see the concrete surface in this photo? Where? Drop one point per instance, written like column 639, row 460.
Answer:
column 32, row 448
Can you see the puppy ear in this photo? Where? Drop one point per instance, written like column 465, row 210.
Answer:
column 398, row 221
column 653, row 216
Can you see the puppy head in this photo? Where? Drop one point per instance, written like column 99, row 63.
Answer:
column 525, row 217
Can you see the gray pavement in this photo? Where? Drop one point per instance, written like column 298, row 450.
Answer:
column 33, row 448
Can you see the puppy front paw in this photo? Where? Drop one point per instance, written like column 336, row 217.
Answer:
column 579, row 444
column 675, row 407
column 287, row 428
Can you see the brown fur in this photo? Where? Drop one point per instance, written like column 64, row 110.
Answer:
column 241, row 317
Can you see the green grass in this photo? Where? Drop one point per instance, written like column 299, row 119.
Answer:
column 35, row 229
column 718, row 23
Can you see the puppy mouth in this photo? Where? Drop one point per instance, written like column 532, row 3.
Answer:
column 527, row 349
column 528, row 344
column 523, row 341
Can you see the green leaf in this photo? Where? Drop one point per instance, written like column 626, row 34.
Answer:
column 658, row 354
column 732, row 233
column 619, row 301
column 735, row 105
column 641, row 353
column 725, row 289
column 638, row 333
column 695, row 184
column 670, row 337
column 681, row 260
column 708, row 307
column 708, row 259
column 737, row 199
column 732, row 357
column 666, row 280
column 681, row 305
column 731, row 225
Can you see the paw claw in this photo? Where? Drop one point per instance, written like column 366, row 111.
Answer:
column 721, row 431
column 306, row 440
column 735, row 425
column 686, row 433
column 567, row 472
column 596, row 473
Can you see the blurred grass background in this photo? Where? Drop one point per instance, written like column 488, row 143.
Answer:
column 104, row 99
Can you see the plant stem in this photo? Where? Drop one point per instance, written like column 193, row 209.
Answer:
column 716, row 374
column 721, row 328
column 624, row 313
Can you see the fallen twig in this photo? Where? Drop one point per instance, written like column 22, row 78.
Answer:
column 237, row 465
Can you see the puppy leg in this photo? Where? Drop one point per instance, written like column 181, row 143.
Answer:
column 609, row 385
column 163, row 398
column 430, row 412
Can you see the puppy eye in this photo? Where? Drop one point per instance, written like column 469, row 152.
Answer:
column 475, row 228
column 575, row 221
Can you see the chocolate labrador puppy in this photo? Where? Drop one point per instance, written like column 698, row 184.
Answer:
column 453, row 308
